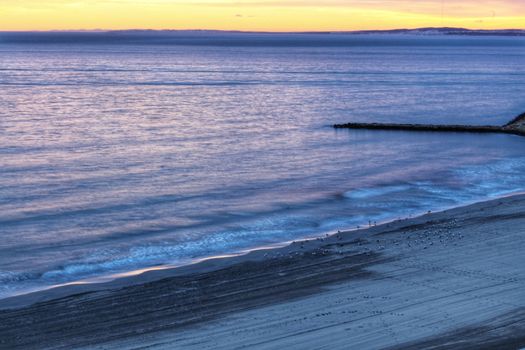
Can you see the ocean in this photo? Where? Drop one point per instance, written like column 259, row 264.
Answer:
column 117, row 156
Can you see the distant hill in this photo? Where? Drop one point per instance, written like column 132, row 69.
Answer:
column 447, row 31
column 236, row 38
column 417, row 31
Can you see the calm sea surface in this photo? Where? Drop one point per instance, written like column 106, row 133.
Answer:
column 116, row 157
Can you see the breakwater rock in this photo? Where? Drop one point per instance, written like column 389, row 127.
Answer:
column 516, row 126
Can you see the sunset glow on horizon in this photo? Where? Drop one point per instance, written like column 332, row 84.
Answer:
column 259, row 15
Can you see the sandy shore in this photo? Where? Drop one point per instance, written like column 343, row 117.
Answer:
column 450, row 280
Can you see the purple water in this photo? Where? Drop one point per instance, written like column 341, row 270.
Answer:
column 121, row 157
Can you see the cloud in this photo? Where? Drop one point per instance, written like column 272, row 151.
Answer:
column 463, row 8
column 277, row 14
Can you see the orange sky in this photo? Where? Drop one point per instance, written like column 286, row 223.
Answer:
column 264, row 15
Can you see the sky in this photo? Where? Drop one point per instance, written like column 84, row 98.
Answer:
column 259, row 15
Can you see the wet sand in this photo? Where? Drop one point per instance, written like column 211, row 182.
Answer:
column 450, row 280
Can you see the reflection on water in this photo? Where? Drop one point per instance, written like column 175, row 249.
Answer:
column 115, row 158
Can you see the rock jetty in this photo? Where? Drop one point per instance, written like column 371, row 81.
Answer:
column 516, row 127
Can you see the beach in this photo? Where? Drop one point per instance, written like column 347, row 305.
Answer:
column 447, row 280
column 218, row 189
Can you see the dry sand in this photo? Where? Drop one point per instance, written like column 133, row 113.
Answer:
column 450, row 280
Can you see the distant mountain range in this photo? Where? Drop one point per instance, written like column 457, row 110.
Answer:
column 417, row 31
column 236, row 38
column 200, row 32
column 446, row 31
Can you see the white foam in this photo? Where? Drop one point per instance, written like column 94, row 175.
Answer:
column 375, row 191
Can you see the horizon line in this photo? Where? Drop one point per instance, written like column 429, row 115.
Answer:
column 102, row 30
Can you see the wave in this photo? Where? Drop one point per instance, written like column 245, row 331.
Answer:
column 117, row 83
column 155, row 70
column 375, row 191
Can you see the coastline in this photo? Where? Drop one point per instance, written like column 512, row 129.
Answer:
column 444, row 257
column 206, row 264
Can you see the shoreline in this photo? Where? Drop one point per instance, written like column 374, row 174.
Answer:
column 205, row 264
column 169, row 304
